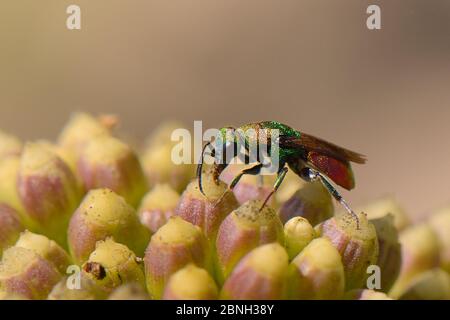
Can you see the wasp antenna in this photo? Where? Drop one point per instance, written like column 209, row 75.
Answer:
column 200, row 168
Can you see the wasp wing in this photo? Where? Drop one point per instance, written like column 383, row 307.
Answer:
column 328, row 158
column 320, row 146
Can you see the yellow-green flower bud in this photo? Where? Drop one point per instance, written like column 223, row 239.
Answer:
column 46, row 248
column 312, row 202
column 191, row 283
column 365, row 294
column 390, row 256
column 298, row 233
column 10, row 226
column 158, row 206
column 440, row 222
column 383, row 206
column 174, row 245
column 81, row 128
column 420, row 252
column 113, row 264
column 129, row 291
column 102, row 214
column 106, row 162
column 433, row 284
column 317, row 272
column 9, row 145
column 243, row 230
column 260, row 275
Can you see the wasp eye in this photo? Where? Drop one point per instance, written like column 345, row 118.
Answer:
column 306, row 174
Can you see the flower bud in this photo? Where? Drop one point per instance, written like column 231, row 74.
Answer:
column 129, row 291
column 260, row 275
column 102, row 214
column 317, row 272
column 420, row 252
column 113, row 264
column 433, row 284
column 390, row 256
column 382, row 207
column 49, row 191
column 291, row 184
column 106, row 162
column 440, row 222
column 46, row 248
column 243, row 230
column 298, row 232
column 249, row 187
column 160, row 168
column 190, row 283
column 87, row 290
column 9, row 145
column 24, row 272
column 312, row 202
column 10, row 226
column 209, row 210
column 174, row 245
column 158, row 206
column 366, row 294
column 358, row 247
column 9, row 193
column 80, row 129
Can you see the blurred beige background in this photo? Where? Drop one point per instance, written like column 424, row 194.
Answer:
column 311, row 64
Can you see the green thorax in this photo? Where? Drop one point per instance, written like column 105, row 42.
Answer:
column 264, row 130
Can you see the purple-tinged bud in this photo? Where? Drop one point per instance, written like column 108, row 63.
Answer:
column 433, row 284
column 390, row 256
column 384, row 206
column 317, row 273
column 129, row 291
column 49, row 191
column 420, row 252
column 10, row 226
column 158, row 206
column 106, row 162
column 243, row 230
column 173, row 246
column 249, row 187
column 88, row 290
column 9, row 145
column 160, row 168
column 358, row 247
column 191, row 283
column 440, row 222
column 80, row 129
column 365, row 294
column 25, row 273
column 9, row 193
column 312, row 202
column 260, row 275
column 102, row 214
column 209, row 210
column 46, row 248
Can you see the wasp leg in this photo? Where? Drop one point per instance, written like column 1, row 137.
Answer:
column 317, row 175
column 255, row 170
column 252, row 170
column 281, row 174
